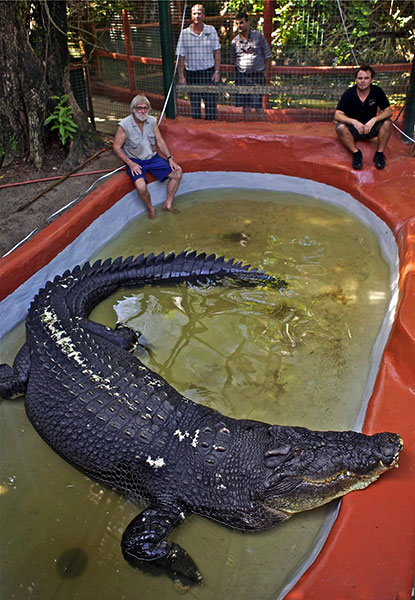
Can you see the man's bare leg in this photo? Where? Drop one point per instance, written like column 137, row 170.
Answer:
column 144, row 195
column 346, row 138
column 384, row 135
column 174, row 180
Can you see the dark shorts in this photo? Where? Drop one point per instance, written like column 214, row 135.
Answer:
column 374, row 132
column 255, row 78
column 157, row 166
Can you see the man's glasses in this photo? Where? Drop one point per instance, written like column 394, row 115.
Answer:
column 141, row 108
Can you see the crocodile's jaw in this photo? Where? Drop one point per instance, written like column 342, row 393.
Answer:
column 302, row 492
column 324, row 492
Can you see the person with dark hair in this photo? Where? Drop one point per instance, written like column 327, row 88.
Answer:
column 135, row 143
column 251, row 56
column 363, row 112
column 199, row 55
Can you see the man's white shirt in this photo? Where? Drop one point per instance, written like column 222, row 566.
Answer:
column 197, row 50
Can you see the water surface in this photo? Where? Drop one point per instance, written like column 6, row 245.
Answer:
column 298, row 356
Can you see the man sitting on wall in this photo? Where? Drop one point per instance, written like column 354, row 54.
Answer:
column 363, row 113
column 135, row 143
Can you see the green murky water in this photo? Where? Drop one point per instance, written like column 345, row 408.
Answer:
column 299, row 356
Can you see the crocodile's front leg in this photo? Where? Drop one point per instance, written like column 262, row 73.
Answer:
column 145, row 547
column 13, row 380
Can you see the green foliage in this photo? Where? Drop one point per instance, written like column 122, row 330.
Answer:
column 305, row 32
column 9, row 146
column 13, row 145
column 312, row 32
column 101, row 12
column 62, row 119
column 250, row 6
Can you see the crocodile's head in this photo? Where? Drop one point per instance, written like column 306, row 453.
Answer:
column 310, row 468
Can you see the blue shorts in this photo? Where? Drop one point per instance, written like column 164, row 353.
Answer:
column 157, row 166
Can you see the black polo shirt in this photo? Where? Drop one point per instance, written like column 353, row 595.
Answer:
column 354, row 108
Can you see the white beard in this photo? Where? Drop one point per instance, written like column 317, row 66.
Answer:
column 140, row 116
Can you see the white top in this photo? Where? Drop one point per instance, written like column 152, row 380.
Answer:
column 197, row 50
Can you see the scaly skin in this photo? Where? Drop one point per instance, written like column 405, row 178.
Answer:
column 122, row 424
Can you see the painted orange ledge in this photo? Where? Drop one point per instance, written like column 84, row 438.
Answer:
column 369, row 554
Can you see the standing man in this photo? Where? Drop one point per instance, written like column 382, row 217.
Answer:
column 135, row 143
column 198, row 50
column 251, row 56
column 363, row 113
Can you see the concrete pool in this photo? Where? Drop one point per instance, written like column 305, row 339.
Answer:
column 369, row 547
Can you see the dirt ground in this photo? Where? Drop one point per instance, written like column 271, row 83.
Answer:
column 19, row 216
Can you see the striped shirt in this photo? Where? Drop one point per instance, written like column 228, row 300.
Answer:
column 250, row 55
column 197, row 50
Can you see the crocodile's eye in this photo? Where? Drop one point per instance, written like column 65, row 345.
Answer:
column 297, row 451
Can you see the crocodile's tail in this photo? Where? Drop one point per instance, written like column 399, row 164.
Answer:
column 84, row 287
column 71, row 297
column 185, row 266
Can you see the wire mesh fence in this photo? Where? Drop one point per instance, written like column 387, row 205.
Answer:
column 314, row 47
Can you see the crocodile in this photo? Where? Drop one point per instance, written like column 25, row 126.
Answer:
column 101, row 409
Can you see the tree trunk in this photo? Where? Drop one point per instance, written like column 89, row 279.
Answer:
column 86, row 139
column 24, row 91
column 32, row 69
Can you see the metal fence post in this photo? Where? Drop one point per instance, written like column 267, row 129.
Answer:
column 167, row 56
column 409, row 114
column 269, row 9
column 128, row 49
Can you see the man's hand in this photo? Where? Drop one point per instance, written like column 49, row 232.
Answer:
column 174, row 166
column 135, row 168
column 215, row 77
column 182, row 80
column 369, row 125
column 359, row 126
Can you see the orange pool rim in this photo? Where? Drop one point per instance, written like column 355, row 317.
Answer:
column 370, row 551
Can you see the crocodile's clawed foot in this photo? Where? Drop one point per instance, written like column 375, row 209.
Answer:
column 13, row 380
column 10, row 385
column 130, row 338
column 177, row 565
column 181, row 567
column 144, row 545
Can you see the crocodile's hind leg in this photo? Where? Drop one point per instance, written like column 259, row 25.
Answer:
column 122, row 336
column 145, row 547
column 13, row 380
